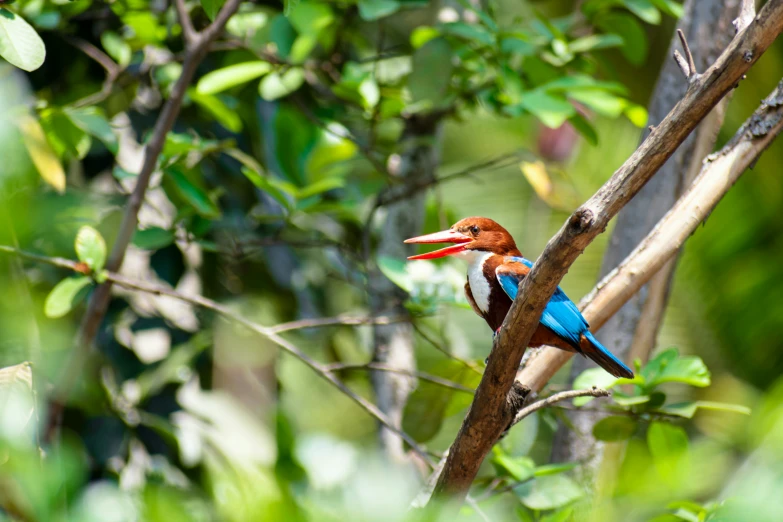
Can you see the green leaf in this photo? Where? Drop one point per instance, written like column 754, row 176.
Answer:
column 551, row 492
column 276, row 85
column 602, row 102
column 396, row 270
column 689, row 370
column 668, row 446
column 264, row 184
column 554, row 469
column 20, row 45
column 518, row 44
column 65, row 295
column 371, row 10
column 688, row 409
column 472, row 33
column 320, row 187
column 93, row 121
column 552, row 112
column 432, row 70
column 519, row 468
column 595, row 42
column 424, row 411
column 423, row 34
column 289, row 5
column 592, row 377
column 636, row 114
column 223, row 114
column 221, row 79
column 153, row 238
column 212, row 7
column 630, row 30
column 116, row 47
column 192, row 194
column 584, row 128
column 669, row 7
column 66, row 138
column 90, row 248
column 630, row 401
column 614, row 428
column 645, row 10
column 311, row 17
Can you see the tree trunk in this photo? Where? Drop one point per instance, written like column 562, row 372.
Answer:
column 632, row 331
column 394, row 343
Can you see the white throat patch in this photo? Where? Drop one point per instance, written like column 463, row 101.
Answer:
column 479, row 286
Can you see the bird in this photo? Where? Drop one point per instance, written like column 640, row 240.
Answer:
column 495, row 269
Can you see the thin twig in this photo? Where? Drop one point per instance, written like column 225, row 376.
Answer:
column 424, row 376
column 691, row 72
column 188, row 31
column 268, row 332
column 442, row 349
column 557, row 397
column 340, row 320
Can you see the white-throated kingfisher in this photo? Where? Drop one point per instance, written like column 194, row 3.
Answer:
column 495, row 270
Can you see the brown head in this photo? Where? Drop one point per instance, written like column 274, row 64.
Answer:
column 473, row 234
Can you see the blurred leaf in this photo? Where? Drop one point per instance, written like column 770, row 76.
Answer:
column 554, row 469
column 20, row 45
column 93, row 121
column 471, row 32
column 264, row 184
column 396, row 271
column 632, row 33
column 665, row 440
column 221, row 79
column 212, row 7
column 44, row 158
column 62, row 133
column 90, row 248
column 194, row 195
column 311, row 17
column 538, row 177
column 17, row 409
column 275, row 85
column 371, row 10
column 423, row 34
column 320, row 187
column 551, row 492
column 563, row 515
column 584, row 128
column 65, row 295
column 424, row 411
column 602, row 102
column 592, row 377
column 594, row 42
column 645, row 10
column 17, row 374
column 614, row 428
column 153, row 238
column 432, row 70
column 518, row 468
column 116, row 47
column 630, row 401
column 670, row 7
column 225, row 116
column 552, row 112
column 518, row 44
column 688, row 409
column 636, row 114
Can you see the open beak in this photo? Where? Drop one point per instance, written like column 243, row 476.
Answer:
column 446, row 236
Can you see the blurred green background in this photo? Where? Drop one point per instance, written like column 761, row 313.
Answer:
column 261, row 201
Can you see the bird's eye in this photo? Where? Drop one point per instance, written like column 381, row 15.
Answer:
column 474, row 230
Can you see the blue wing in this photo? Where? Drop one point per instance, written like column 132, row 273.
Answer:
column 560, row 315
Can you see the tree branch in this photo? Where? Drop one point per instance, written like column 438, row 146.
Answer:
column 719, row 173
column 557, row 397
column 99, row 301
column 489, row 414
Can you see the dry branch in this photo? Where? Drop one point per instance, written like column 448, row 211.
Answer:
column 489, row 414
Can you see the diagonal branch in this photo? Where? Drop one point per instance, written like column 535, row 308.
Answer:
column 718, row 174
column 99, row 301
column 489, row 414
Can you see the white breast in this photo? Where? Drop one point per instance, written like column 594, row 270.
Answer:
column 479, row 286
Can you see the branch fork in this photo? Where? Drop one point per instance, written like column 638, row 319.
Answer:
column 687, row 64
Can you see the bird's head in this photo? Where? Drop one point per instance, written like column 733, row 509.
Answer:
column 473, row 235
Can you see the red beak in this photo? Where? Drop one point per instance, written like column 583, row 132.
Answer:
column 446, row 236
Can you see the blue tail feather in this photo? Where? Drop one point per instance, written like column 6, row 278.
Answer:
column 606, row 359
